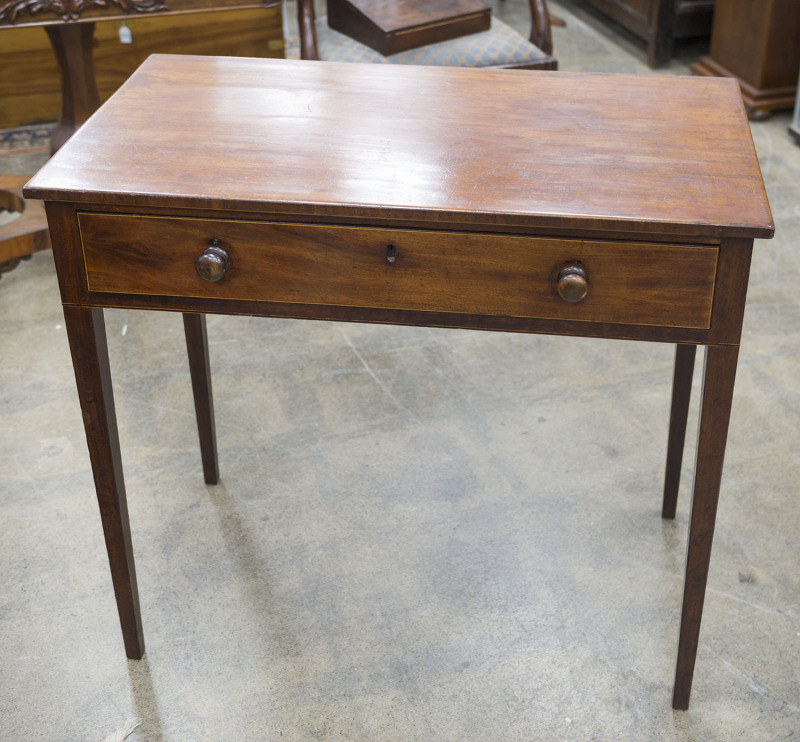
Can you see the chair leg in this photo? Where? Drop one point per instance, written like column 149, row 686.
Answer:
column 87, row 342
column 306, row 19
column 194, row 326
column 541, row 33
column 681, row 394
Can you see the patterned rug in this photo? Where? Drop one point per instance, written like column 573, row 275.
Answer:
column 32, row 137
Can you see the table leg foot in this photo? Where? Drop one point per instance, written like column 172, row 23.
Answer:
column 718, row 379
column 194, row 326
column 87, row 340
column 681, row 394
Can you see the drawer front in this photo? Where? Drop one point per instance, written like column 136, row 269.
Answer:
column 486, row 274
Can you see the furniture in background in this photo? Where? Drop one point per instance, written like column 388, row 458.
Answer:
column 70, row 26
column 500, row 46
column 30, row 87
column 659, row 23
column 444, row 218
column 27, row 233
column 400, row 25
column 38, row 84
column 758, row 43
column 794, row 127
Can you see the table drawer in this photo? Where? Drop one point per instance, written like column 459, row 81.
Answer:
column 487, row 274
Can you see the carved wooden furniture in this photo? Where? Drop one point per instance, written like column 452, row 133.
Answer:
column 500, row 46
column 27, row 233
column 759, row 45
column 30, row 90
column 660, row 22
column 325, row 204
column 70, row 27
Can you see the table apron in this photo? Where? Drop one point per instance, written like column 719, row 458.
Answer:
column 379, row 271
column 658, row 291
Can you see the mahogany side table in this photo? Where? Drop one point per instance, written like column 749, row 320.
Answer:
column 570, row 204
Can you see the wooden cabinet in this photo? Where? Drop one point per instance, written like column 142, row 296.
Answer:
column 659, row 22
column 759, row 44
column 30, row 88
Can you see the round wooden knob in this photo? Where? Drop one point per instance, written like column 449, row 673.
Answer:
column 213, row 264
column 572, row 283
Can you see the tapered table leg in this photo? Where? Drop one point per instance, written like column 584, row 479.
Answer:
column 681, row 394
column 87, row 341
column 194, row 326
column 718, row 379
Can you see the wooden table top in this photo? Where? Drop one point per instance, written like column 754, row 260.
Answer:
column 665, row 155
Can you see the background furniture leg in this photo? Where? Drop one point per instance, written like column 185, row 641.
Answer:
column 194, row 326
column 660, row 33
column 87, row 342
column 681, row 394
column 72, row 44
column 718, row 379
column 25, row 235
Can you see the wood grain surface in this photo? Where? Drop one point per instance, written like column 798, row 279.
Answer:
column 432, row 271
column 434, row 145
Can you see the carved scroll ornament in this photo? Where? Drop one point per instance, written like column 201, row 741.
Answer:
column 70, row 10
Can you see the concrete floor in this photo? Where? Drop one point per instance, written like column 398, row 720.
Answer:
column 419, row 534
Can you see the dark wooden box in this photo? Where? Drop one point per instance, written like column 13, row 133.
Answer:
column 392, row 26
